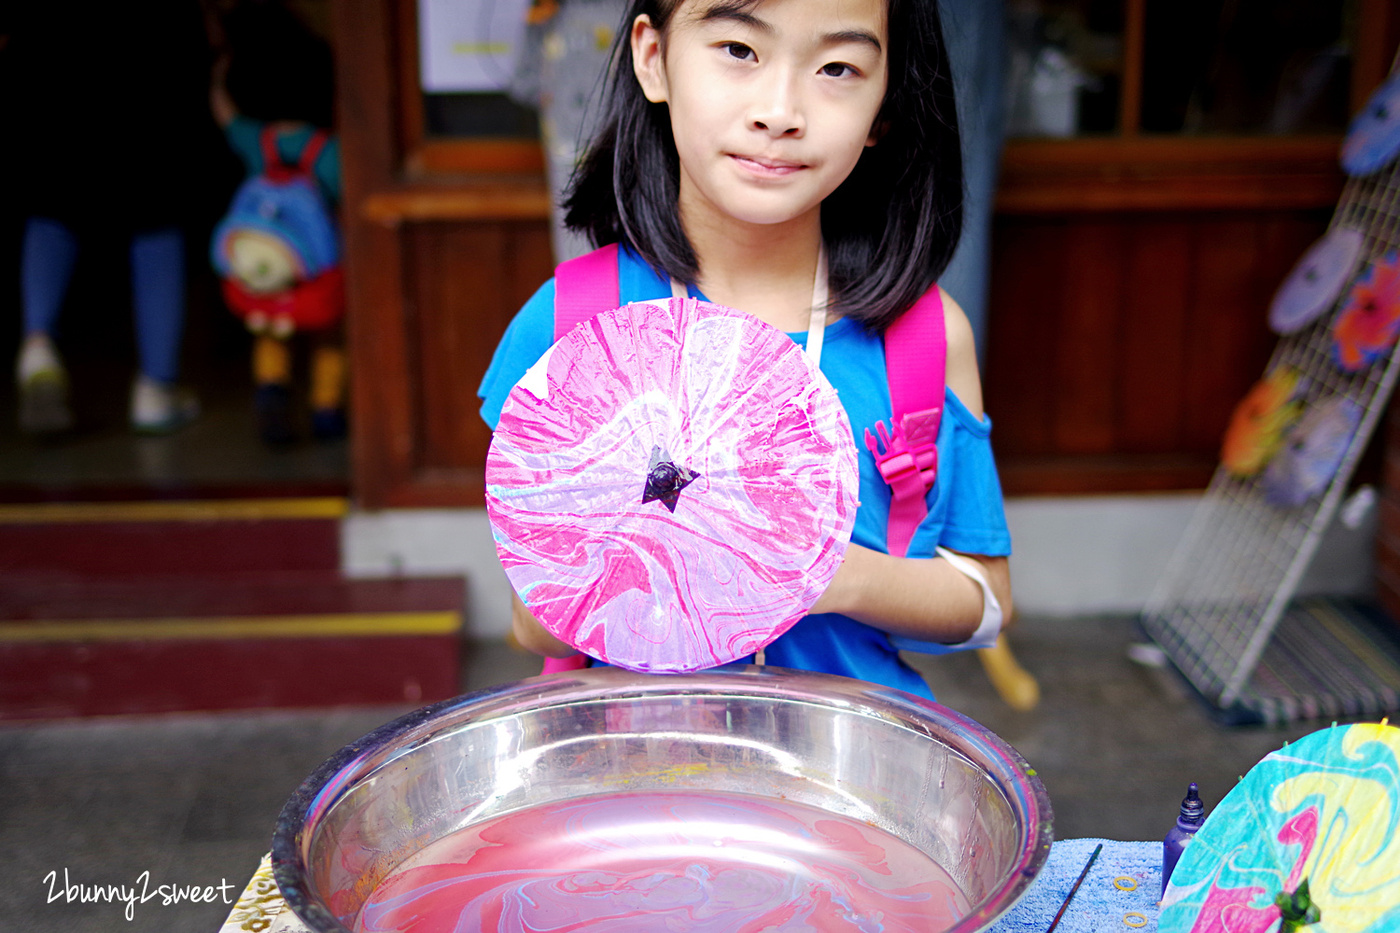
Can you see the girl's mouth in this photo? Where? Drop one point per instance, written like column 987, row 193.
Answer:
column 767, row 168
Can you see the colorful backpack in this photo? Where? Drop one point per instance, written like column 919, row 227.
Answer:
column 916, row 352
column 278, row 249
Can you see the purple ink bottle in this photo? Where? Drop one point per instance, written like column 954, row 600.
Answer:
column 1193, row 814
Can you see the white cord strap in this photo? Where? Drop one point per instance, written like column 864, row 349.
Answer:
column 990, row 626
column 816, row 321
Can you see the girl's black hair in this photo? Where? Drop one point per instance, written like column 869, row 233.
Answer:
column 891, row 226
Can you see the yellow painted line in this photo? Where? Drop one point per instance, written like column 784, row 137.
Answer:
column 200, row 510
column 289, row 626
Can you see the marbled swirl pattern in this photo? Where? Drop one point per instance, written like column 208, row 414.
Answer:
column 753, row 541
column 1325, row 809
column 647, row 862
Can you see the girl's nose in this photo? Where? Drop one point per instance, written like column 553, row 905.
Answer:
column 776, row 109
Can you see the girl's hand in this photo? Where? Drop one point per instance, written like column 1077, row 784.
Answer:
column 923, row 598
column 531, row 635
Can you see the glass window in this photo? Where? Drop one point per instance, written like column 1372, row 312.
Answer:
column 1245, row 67
column 1065, row 61
column 467, row 56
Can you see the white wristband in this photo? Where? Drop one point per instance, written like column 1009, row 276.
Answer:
column 990, row 626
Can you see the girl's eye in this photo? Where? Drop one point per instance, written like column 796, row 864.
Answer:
column 738, row 50
column 837, row 70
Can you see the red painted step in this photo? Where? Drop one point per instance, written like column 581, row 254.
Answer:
column 152, row 596
column 53, row 680
column 159, row 607
column 239, row 536
column 162, row 644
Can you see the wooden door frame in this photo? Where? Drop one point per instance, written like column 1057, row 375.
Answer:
column 392, row 178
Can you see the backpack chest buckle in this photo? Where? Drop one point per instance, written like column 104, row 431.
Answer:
column 907, row 457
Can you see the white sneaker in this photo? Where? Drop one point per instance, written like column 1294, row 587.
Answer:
column 43, row 388
column 158, row 408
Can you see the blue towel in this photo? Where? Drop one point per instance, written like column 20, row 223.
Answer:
column 1119, row 895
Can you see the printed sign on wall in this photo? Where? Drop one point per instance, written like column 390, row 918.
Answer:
column 469, row 46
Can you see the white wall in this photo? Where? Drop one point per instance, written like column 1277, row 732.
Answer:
column 1077, row 555
column 1103, row 554
column 432, row 542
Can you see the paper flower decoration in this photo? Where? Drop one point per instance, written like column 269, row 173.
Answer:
column 1309, row 841
column 1316, row 280
column 672, row 486
column 1312, row 452
column 1369, row 322
column 1373, row 139
column 1259, row 421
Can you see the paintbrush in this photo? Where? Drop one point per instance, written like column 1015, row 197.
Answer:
column 1070, row 896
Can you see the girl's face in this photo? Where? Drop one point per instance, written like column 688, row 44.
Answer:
column 771, row 102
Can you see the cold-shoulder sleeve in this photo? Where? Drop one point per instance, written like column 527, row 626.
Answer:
column 527, row 338
column 966, row 512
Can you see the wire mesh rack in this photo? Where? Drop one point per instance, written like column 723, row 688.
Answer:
column 1237, row 567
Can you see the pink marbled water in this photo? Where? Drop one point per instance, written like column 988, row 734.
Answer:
column 649, row 862
column 752, row 542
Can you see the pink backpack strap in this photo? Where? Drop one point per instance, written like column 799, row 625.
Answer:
column 574, row 662
column 916, row 360
column 584, row 287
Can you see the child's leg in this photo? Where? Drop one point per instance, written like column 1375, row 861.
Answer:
column 158, row 297
column 1014, row 683
column 47, row 257
column 272, row 377
column 272, row 361
column 328, row 389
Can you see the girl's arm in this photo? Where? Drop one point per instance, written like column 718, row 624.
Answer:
column 530, row 634
column 918, row 597
column 220, row 103
column 924, row 598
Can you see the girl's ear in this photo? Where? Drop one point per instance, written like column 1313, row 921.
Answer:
column 648, row 60
column 877, row 132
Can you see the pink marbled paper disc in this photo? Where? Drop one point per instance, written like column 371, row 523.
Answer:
column 763, row 475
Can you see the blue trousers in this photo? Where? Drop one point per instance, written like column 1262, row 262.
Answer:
column 975, row 33
column 47, row 258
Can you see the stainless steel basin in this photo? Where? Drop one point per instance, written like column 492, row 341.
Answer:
column 925, row 773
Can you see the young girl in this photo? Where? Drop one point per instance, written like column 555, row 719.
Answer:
column 275, row 77
column 746, row 143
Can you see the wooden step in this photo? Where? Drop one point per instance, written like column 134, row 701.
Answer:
column 225, row 642
column 146, row 607
column 190, row 537
column 47, row 681
column 156, row 596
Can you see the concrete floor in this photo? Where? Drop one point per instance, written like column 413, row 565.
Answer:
column 193, row 798
column 219, row 451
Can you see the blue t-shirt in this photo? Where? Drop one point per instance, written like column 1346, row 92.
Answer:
column 244, row 135
column 965, row 508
